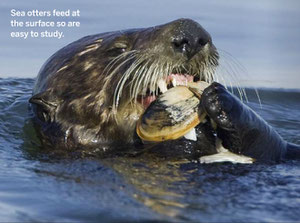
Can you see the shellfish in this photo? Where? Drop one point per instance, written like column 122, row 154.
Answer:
column 173, row 114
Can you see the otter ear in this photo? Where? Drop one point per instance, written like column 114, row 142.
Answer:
column 44, row 108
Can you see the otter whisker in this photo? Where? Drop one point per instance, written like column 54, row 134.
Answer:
column 177, row 69
column 114, row 61
column 136, row 87
column 210, row 75
column 199, row 68
column 161, row 74
column 121, row 64
column 231, row 58
column 116, row 69
column 154, row 73
column 138, row 78
column 204, row 72
column 215, row 60
column 140, row 73
column 147, row 69
column 234, row 65
column 138, row 82
column 221, row 76
column 122, row 81
column 147, row 74
column 233, row 77
column 207, row 72
column 134, row 70
column 152, row 77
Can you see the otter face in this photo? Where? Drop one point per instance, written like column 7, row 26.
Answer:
column 96, row 88
column 149, row 61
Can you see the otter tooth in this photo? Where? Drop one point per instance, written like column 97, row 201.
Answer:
column 191, row 135
column 174, row 82
column 162, row 85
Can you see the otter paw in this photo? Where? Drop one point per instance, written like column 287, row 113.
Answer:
column 219, row 105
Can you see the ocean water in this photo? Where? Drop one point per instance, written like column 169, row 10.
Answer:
column 37, row 188
column 259, row 44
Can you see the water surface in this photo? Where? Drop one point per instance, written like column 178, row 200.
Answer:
column 258, row 42
column 35, row 187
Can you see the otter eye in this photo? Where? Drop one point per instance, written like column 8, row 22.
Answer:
column 117, row 49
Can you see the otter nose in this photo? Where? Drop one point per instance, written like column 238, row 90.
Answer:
column 189, row 37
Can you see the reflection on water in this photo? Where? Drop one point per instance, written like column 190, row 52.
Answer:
column 37, row 187
column 155, row 180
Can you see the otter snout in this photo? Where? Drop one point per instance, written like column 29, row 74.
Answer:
column 188, row 37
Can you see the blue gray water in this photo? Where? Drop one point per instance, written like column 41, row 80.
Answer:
column 262, row 35
column 37, row 188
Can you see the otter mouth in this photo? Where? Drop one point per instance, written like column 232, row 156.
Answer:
column 172, row 80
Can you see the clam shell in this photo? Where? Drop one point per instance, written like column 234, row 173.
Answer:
column 172, row 114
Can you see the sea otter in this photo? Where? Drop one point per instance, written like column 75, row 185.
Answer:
column 91, row 93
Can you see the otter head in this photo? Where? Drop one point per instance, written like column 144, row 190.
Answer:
column 148, row 60
column 97, row 87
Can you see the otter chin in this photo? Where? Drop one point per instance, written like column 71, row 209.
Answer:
column 93, row 91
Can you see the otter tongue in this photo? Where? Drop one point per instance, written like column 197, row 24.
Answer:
column 146, row 101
